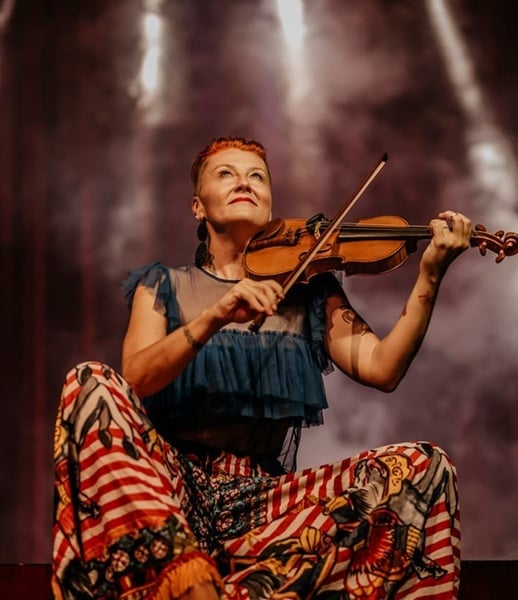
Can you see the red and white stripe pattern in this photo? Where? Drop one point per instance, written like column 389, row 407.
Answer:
column 113, row 475
column 354, row 525
column 296, row 505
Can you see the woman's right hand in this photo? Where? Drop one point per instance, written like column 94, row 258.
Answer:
column 152, row 358
column 247, row 299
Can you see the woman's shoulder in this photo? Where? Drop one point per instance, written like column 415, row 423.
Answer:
column 154, row 275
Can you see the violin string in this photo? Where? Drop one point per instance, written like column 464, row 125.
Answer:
column 374, row 229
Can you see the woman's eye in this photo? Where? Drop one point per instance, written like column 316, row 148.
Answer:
column 224, row 172
column 258, row 175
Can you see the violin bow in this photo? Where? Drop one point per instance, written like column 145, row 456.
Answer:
column 321, row 240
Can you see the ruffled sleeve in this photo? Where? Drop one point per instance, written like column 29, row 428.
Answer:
column 154, row 275
column 271, row 374
column 320, row 288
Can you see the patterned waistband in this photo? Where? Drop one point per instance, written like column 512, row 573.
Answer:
column 205, row 456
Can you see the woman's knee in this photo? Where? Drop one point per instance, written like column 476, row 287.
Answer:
column 85, row 371
column 423, row 465
column 436, row 475
column 87, row 376
column 437, row 455
column 94, row 388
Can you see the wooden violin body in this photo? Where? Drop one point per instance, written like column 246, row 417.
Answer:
column 369, row 246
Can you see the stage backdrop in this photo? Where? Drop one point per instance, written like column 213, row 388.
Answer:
column 103, row 105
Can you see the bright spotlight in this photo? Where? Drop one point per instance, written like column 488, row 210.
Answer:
column 292, row 21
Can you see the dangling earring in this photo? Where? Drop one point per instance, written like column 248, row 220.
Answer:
column 202, row 252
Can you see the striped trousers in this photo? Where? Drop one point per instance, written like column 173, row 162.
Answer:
column 137, row 519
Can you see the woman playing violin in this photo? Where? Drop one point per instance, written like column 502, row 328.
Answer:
column 178, row 478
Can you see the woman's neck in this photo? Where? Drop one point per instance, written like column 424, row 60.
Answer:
column 225, row 261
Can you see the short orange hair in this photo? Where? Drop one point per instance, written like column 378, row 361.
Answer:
column 224, row 143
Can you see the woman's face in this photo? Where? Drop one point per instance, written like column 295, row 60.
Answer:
column 234, row 190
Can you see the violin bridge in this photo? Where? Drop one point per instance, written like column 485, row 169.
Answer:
column 314, row 223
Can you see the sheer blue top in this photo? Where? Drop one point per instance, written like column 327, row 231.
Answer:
column 275, row 373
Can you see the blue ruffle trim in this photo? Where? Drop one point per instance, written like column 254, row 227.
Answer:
column 273, row 375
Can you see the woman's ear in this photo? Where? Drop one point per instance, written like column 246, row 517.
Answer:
column 197, row 208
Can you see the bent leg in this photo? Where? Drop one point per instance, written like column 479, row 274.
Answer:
column 119, row 527
column 383, row 524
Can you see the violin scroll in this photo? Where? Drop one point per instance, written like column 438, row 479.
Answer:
column 501, row 243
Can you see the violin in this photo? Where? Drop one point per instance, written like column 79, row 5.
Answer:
column 369, row 246
column 294, row 250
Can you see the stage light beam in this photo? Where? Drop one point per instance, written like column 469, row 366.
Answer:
column 291, row 17
column 152, row 40
column 494, row 169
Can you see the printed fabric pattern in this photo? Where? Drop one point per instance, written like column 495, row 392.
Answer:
column 136, row 518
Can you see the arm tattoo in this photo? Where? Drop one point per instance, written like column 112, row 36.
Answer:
column 350, row 317
column 425, row 298
column 197, row 345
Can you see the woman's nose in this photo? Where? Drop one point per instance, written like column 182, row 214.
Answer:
column 243, row 183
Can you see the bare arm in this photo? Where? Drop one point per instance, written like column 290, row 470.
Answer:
column 356, row 349
column 151, row 358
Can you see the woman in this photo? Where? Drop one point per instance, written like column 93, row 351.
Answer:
column 193, row 493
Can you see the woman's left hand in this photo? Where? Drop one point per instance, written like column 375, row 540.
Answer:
column 451, row 236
